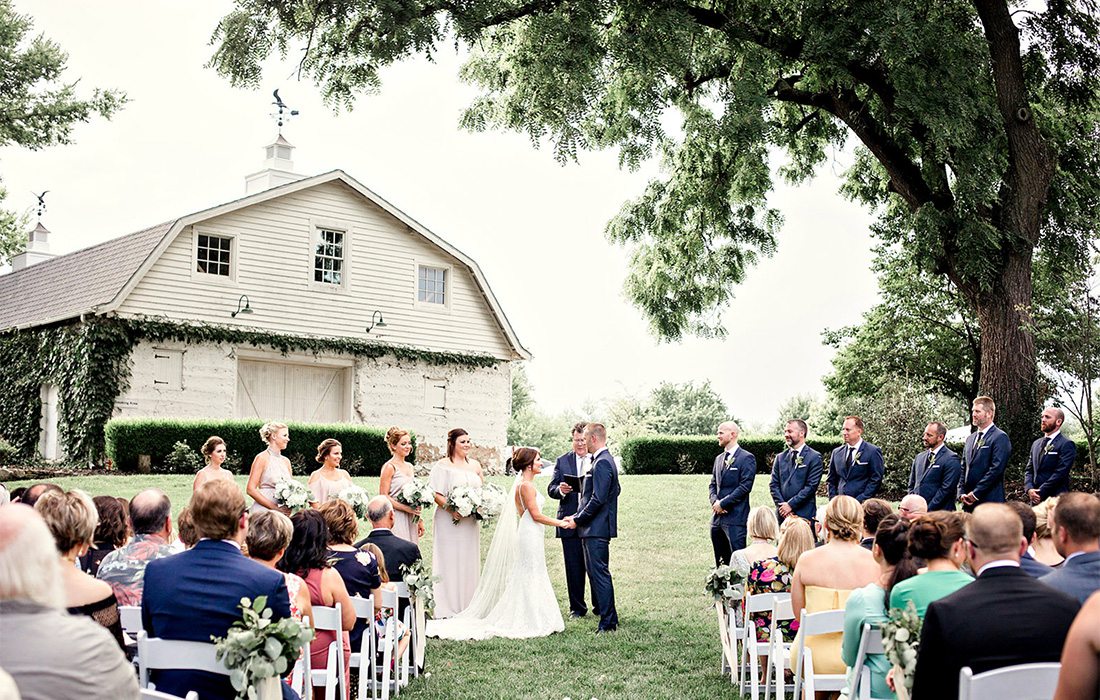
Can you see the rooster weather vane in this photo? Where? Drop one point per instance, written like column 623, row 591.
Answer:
column 283, row 112
column 41, row 204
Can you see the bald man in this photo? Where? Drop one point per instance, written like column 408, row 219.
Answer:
column 912, row 507
column 730, row 485
column 1051, row 458
column 1005, row 617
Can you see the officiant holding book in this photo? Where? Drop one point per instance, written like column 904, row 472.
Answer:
column 565, row 487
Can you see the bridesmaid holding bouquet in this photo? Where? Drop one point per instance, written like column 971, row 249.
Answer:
column 395, row 474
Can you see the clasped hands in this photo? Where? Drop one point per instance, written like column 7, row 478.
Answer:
column 718, row 509
column 968, row 499
column 568, row 523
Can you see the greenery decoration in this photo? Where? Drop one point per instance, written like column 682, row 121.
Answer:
column 256, row 648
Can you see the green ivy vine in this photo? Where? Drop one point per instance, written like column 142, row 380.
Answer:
column 89, row 364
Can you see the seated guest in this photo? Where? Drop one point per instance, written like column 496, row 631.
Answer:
column 1003, row 618
column 185, row 529
column 1027, row 561
column 937, row 539
column 763, row 530
column 912, row 507
column 111, row 532
column 269, row 534
column 357, row 568
column 383, row 613
column 773, row 575
column 49, row 653
column 1076, row 531
column 196, row 595
column 868, row 604
column 826, row 576
column 1079, row 678
column 33, row 493
column 307, row 556
column 71, row 517
column 124, row 569
column 874, row 511
column 397, row 551
column 1043, row 548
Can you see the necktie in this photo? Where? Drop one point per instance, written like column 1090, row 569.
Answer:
column 1043, row 448
column 848, row 459
column 729, row 458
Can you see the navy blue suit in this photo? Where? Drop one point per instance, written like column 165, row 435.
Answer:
column 194, row 595
column 730, row 486
column 571, row 546
column 597, row 522
column 1079, row 576
column 938, row 482
column 796, row 484
column 861, row 479
column 1034, row 567
column 1048, row 470
column 985, row 467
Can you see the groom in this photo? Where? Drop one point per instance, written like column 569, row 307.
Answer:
column 596, row 522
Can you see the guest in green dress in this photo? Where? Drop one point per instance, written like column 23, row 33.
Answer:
column 936, row 538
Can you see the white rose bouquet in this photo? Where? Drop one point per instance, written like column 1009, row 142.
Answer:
column 258, row 651
column 483, row 503
column 416, row 494
column 901, row 640
column 292, row 494
column 492, row 502
column 356, row 498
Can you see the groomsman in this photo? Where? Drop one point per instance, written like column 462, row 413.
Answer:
column 856, row 467
column 987, row 452
column 1052, row 455
column 730, row 486
column 571, row 464
column 796, row 474
column 935, row 472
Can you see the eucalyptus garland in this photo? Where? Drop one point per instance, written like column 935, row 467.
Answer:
column 89, row 364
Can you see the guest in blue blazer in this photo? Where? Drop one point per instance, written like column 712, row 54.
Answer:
column 1051, row 458
column 796, row 474
column 856, row 467
column 1076, row 531
column 935, row 472
column 1028, row 562
column 730, row 485
column 987, row 452
column 573, row 464
column 195, row 594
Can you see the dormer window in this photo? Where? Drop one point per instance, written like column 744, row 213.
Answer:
column 328, row 257
column 213, row 255
column 431, row 285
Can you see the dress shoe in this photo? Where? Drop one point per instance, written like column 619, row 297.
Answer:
column 577, row 614
column 607, row 630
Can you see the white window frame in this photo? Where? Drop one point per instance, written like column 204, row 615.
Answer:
column 315, row 228
column 234, row 256
column 448, row 285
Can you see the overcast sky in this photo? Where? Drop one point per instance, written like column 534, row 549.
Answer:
column 187, row 139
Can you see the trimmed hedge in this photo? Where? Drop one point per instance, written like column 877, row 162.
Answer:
column 694, row 454
column 364, row 446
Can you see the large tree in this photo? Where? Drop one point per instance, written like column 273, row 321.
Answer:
column 976, row 126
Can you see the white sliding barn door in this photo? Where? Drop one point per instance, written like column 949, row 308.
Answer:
column 286, row 391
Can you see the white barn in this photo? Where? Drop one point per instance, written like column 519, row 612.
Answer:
column 301, row 257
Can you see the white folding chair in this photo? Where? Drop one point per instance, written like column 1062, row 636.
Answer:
column 301, row 678
column 752, row 649
column 409, row 618
column 389, row 644
column 779, row 653
column 731, row 637
column 870, row 642
column 155, row 654
column 331, row 677
column 810, row 625
column 151, row 694
column 130, row 617
column 1021, row 682
column 363, row 659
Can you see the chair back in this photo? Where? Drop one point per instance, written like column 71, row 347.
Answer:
column 809, row 625
column 130, row 616
column 301, row 680
column 1021, row 682
column 328, row 618
column 870, row 642
column 763, row 602
column 824, row 622
column 152, row 694
column 156, row 654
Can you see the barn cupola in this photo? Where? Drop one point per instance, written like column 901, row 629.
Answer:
column 278, row 168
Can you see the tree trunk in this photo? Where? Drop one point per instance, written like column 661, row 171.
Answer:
column 1009, row 372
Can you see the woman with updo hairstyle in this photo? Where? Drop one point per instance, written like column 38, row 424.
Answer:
column 268, row 467
column 456, row 549
column 937, row 538
column 330, row 479
column 397, row 472
column 214, row 452
column 112, row 531
column 1043, row 548
column 824, row 577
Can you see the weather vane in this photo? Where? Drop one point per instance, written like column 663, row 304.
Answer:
column 41, row 204
column 283, row 113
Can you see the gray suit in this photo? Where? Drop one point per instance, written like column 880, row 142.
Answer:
column 1079, row 576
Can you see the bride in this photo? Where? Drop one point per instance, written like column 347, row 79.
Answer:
column 514, row 597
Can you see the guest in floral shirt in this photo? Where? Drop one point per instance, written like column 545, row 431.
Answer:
column 124, row 568
column 774, row 575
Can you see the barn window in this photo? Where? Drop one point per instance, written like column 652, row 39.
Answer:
column 213, row 255
column 431, row 285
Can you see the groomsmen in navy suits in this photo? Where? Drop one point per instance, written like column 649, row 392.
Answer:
column 987, row 452
column 1052, row 456
column 730, row 485
column 935, row 472
column 571, row 464
column 796, row 474
column 856, row 467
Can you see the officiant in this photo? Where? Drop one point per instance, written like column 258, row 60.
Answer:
column 569, row 469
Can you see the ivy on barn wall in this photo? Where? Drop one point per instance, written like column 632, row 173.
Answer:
column 89, row 364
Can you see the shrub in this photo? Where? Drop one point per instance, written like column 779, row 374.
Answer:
column 7, row 452
column 364, row 446
column 690, row 454
column 182, row 459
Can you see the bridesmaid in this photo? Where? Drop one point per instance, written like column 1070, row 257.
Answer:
column 395, row 474
column 456, row 549
column 214, row 452
column 329, row 480
column 268, row 467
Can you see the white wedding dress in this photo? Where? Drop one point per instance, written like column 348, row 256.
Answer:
column 514, row 598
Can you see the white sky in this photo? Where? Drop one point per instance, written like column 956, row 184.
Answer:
column 187, row 139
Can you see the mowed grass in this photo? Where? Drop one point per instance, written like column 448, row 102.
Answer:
column 667, row 644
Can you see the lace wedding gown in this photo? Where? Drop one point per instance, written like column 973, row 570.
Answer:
column 514, row 598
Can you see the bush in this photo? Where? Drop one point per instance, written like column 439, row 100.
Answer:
column 182, row 459
column 7, row 452
column 689, row 454
column 364, row 446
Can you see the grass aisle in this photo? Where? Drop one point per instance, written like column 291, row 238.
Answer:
column 667, row 644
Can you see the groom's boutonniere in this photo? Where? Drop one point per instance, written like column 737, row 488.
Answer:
column 855, row 457
column 1046, row 450
column 932, row 461
column 981, row 442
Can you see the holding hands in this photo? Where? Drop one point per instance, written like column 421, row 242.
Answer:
column 568, row 523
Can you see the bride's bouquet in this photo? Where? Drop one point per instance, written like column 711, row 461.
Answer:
column 416, row 494
column 356, row 498
column 482, row 503
column 292, row 494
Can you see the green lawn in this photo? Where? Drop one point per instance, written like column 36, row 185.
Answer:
column 667, row 644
